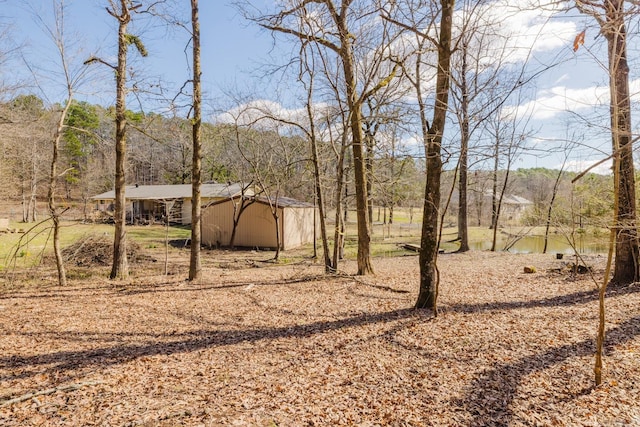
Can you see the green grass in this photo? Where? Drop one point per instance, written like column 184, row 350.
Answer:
column 26, row 249
column 147, row 235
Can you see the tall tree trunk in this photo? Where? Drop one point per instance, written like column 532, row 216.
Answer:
column 369, row 144
column 25, row 206
column 340, row 199
column 31, row 209
column 195, row 269
column 276, row 218
column 463, row 207
column 238, row 210
column 626, row 258
column 120, row 266
column 463, row 227
column 359, row 160
column 429, row 276
column 328, row 267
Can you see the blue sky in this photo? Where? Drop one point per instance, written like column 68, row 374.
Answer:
column 233, row 51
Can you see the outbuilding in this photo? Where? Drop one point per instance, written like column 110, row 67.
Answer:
column 148, row 203
column 256, row 226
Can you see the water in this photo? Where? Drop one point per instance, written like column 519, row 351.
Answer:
column 535, row 244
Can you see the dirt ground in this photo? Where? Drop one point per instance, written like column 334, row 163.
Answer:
column 257, row 344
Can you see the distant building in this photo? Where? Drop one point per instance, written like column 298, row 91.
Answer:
column 514, row 206
column 149, row 203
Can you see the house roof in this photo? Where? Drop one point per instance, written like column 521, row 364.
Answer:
column 178, row 191
column 516, row 200
column 511, row 199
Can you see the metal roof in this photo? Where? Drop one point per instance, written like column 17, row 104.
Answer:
column 516, row 200
column 283, row 202
column 178, row 191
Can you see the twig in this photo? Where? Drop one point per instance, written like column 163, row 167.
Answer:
column 611, row 156
column 68, row 387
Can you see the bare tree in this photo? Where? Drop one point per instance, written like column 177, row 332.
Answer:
column 509, row 135
column 26, row 121
column 72, row 79
column 121, row 10
column 429, row 241
column 610, row 16
column 276, row 160
column 344, row 28
column 195, row 269
column 419, row 19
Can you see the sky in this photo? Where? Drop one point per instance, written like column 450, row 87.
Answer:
column 234, row 54
column 231, row 49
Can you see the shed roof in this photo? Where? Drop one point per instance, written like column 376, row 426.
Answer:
column 283, row 202
column 178, row 191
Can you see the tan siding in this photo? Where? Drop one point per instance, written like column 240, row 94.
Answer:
column 217, row 224
column 257, row 226
column 298, row 226
column 186, row 212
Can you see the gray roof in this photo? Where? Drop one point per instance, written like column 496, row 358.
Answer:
column 283, row 202
column 516, row 200
column 178, row 191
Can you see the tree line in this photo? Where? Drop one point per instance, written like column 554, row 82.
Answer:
column 160, row 152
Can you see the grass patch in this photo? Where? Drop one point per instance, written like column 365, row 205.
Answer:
column 27, row 249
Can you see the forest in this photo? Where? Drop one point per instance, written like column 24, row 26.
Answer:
column 409, row 127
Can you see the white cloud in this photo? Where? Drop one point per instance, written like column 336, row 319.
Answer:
column 257, row 111
column 522, row 29
column 561, row 99
column 582, row 165
column 267, row 114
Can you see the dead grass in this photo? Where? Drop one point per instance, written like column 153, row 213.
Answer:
column 262, row 345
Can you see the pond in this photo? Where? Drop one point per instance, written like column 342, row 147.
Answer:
column 535, row 244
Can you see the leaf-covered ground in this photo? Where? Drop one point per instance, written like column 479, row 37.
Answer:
column 265, row 345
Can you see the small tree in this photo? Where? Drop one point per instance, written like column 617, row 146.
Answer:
column 72, row 79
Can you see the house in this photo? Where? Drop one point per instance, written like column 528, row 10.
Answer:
column 514, row 206
column 256, row 226
column 148, row 203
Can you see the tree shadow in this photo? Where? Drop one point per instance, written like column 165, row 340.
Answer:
column 63, row 361
column 575, row 298
column 155, row 288
column 490, row 396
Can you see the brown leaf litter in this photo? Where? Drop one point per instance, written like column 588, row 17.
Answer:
column 290, row 346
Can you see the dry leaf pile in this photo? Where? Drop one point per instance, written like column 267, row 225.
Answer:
column 96, row 250
column 289, row 346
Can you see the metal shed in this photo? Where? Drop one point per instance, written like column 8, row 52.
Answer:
column 256, row 226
